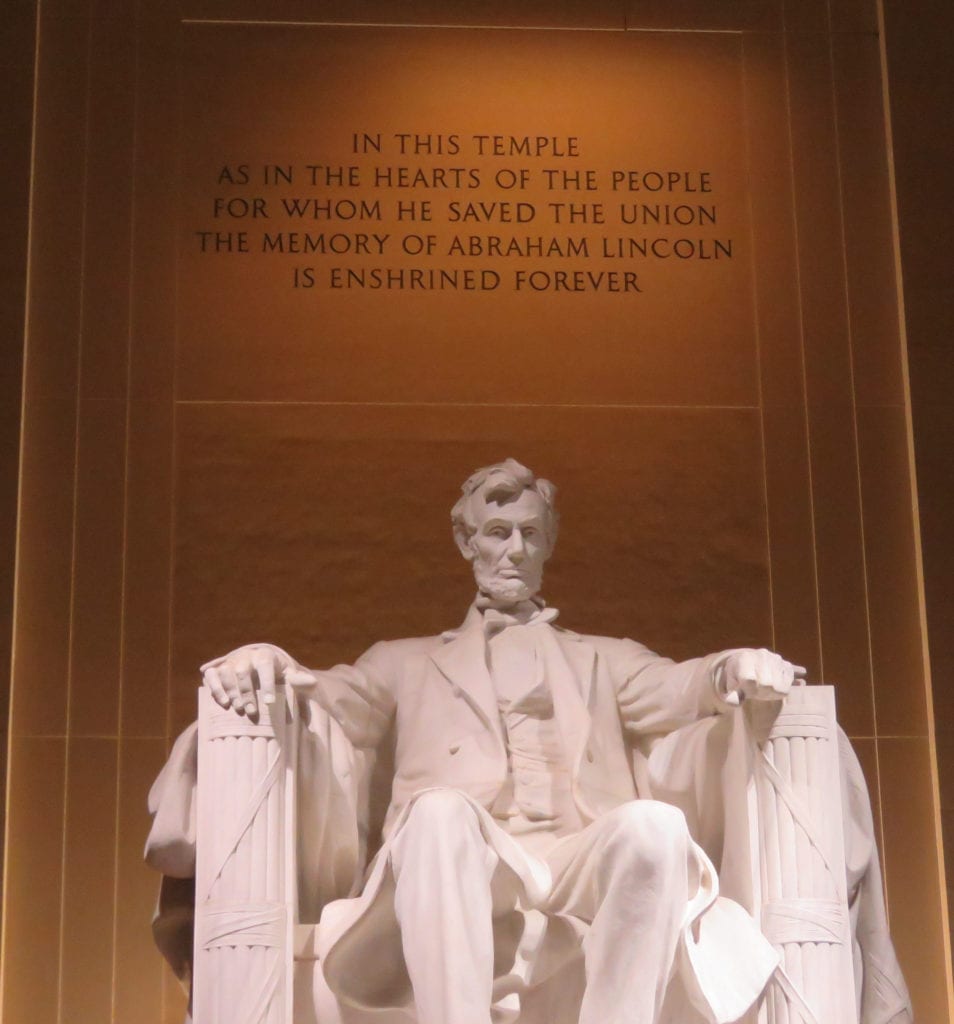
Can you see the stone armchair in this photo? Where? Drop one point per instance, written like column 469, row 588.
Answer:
column 772, row 792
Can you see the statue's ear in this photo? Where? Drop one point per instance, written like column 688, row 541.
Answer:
column 465, row 544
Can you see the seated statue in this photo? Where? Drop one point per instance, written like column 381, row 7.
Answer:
column 524, row 871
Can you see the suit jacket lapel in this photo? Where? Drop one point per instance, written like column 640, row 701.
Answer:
column 463, row 663
column 569, row 666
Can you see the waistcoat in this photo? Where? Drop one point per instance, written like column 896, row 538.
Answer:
column 536, row 805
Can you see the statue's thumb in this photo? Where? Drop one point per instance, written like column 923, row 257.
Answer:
column 299, row 677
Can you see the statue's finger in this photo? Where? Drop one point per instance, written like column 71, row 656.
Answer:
column 771, row 668
column 774, row 675
column 264, row 664
column 769, row 664
column 213, row 682
column 748, row 669
column 237, row 699
column 800, row 671
column 243, row 677
column 227, row 675
column 299, row 677
column 246, row 685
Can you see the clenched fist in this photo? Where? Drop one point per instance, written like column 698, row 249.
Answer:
column 758, row 674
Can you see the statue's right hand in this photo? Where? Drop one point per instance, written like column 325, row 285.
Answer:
column 235, row 678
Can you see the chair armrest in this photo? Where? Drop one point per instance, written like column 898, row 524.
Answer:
column 796, row 836
column 245, row 864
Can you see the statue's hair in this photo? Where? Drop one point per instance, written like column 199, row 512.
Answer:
column 502, row 480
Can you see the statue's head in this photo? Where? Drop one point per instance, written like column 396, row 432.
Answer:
column 505, row 524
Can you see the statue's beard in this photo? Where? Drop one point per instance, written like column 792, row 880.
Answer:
column 504, row 589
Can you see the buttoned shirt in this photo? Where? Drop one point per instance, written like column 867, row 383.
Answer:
column 536, row 805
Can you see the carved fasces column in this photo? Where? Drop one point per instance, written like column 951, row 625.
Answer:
column 800, row 878
column 245, row 903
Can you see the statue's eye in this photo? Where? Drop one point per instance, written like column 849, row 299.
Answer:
column 499, row 531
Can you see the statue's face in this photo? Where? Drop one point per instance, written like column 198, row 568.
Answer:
column 510, row 546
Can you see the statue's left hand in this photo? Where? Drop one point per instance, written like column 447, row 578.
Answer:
column 759, row 674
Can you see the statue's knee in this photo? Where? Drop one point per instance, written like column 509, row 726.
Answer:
column 649, row 827
column 441, row 809
column 441, row 833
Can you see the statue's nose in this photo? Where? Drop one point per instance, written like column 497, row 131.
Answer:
column 516, row 549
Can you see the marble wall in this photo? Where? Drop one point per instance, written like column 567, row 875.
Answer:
column 212, row 456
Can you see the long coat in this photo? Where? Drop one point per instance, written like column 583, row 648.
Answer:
column 612, row 697
column 608, row 695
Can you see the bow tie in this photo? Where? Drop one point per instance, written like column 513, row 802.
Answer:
column 497, row 620
column 495, row 617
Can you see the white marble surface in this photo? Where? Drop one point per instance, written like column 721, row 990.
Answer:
column 522, row 839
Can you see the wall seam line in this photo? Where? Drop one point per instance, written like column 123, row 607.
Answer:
column 753, row 282
column 124, row 588
column 801, row 335
column 859, row 488
column 915, row 506
column 74, row 532
column 17, row 563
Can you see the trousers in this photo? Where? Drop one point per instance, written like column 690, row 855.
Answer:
column 624, row 882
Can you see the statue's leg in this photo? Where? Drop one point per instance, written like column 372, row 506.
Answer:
column 628, row 875
column 443, row 902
